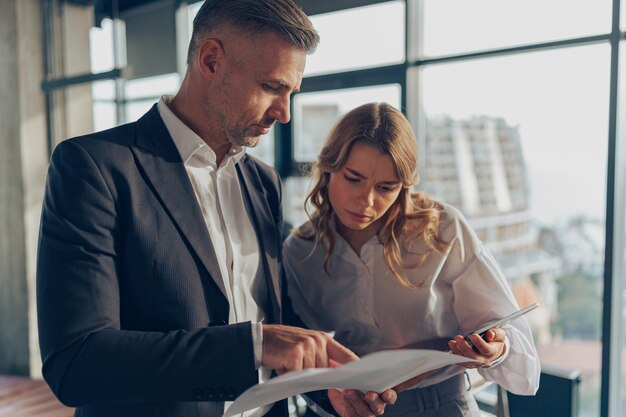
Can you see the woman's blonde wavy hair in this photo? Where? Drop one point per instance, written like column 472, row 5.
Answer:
column 412, row 216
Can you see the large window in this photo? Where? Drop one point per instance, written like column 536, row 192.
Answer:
column 516, row 128
column 518, row 143
column 458, row 26
column 516, row 107
column 364, row 32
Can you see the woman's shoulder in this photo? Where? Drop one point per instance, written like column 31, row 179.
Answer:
column 452, row 223
column 458, row 230
column 451, row 214
column 446, row 213
column 300, row 238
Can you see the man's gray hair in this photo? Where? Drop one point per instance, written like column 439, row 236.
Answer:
column 282, row 17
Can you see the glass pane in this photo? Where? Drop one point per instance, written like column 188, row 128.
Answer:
column 142, row 93
column 295, row 192
column 315, row 113
column 456, row 26
column 103, row 90
column 135, row 109
column 152, row 86
column 104, row 115
column 519, row 145
column 264, row 150
column 362, row 37
column 101, row 47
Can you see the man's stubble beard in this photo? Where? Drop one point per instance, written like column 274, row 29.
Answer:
column 235, row 136
column 238, row 138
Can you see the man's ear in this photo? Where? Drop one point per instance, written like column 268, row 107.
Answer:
column 209, row 57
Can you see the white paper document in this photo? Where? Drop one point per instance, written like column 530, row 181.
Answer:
column 374, row 372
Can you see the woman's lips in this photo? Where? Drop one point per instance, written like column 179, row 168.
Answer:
column 358, row 216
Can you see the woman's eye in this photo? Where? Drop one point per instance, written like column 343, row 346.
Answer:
column 387, row 189
column 351, row 179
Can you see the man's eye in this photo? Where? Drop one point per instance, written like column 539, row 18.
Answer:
column 269, row 87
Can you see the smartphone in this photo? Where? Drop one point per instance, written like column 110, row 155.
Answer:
column 481, row 331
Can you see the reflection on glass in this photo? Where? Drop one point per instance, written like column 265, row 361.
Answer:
column 368, row 36
column 315, row 113
column 519, row 145
column 456, row 26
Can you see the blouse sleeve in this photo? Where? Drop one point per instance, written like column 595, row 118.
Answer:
column 482, row 294
column 299, row 302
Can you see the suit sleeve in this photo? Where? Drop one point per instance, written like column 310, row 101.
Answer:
column 87, row 357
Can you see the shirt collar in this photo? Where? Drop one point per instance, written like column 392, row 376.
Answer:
column 187, row 142
column 340, row 240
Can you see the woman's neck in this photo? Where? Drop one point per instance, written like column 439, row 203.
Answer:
column 357, row 238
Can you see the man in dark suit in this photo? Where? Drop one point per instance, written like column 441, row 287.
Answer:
column 158, row 286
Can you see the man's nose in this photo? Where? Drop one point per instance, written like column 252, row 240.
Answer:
column 280, row 110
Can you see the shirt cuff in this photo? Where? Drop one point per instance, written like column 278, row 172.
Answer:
column 507, row 347
column 257, row 342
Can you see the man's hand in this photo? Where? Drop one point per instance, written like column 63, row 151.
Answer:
column 352, row 403
column 287, row 348
column 488, row 350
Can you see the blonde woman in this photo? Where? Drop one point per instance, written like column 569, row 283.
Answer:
column 387, row 268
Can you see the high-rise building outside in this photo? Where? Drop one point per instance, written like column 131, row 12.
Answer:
column 478, row 166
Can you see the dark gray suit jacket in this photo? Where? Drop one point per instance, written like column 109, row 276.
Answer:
column 131, row 320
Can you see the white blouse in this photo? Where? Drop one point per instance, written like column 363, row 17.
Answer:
column 462, row 288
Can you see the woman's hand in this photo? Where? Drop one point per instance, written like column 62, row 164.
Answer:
column 488, row 350
column 353, row 403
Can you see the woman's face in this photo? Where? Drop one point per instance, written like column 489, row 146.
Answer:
column 362, row 191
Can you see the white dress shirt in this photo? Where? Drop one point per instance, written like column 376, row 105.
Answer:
column 461, row 289
column 232, row 234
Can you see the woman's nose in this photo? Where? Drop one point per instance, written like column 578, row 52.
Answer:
column 366, row 196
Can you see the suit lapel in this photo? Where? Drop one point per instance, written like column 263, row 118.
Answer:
column 158, row 157
column 264, row 224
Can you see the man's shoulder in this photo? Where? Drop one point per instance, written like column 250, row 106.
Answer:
column 107, row 149
column 123, row 135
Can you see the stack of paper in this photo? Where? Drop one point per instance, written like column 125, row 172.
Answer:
column 374, row 372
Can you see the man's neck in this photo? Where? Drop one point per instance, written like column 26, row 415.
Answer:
column 178, row 106
column 220, row 152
